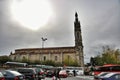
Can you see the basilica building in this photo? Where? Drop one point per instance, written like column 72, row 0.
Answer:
column 57, row 54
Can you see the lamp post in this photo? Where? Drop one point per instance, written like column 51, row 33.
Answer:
column 43, row 40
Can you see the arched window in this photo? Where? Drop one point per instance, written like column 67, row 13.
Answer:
column 56, row 58
column 44, row 58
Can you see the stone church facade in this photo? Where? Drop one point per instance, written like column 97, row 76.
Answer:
column 57, row 54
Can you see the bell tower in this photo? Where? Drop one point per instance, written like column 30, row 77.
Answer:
column 78, row 41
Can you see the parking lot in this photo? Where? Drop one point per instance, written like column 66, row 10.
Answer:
column 75, row 78
column 37, row 74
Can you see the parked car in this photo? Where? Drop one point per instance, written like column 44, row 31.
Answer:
column 70, row 72
column 79, row 72
column 63, row 74
column 110, row 76
column 12, row 75
column 50, row 73
column 1, row 76
column 106, row 68
column 41, row 73
column 96, row 77
column 30, row 73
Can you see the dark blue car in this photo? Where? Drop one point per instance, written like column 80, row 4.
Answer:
column 110, row 76
column 12, row 75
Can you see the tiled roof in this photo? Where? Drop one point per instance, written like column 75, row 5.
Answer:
column 48, row 48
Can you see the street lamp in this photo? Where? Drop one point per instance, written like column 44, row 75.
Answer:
column 43, row 40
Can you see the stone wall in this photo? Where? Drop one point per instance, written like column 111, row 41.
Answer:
column 58, row 54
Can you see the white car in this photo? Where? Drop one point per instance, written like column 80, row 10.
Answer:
column 79, row 72
column 70, row 72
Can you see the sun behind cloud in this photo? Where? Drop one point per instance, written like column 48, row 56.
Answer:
column 31, row 14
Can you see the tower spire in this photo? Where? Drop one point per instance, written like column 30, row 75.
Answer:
column 78, row 41
column 77, row 32
column 76, row 17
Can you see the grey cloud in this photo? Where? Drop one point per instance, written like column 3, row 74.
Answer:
column 99, row 22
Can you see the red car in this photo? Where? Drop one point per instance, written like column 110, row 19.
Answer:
column 1, row 76
column 107, row 68
column 63, row 74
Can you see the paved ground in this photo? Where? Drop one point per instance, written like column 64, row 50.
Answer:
column 69, row 78
column 86, row 77
column 75, row 78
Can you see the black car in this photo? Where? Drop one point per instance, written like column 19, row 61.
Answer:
column 41, row 73
column 50, row 73
column 12, row 75
column 30, row 73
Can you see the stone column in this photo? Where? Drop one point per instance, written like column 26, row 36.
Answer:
column 49, row 56
column 61, row 57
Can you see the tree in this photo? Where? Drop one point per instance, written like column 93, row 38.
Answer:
column 4, row 59
column 92, row 61
column 49, row 62
column 70, row 62
column 98, row 60
column 109, row 55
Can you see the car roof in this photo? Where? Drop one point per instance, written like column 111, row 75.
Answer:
column 103, row 73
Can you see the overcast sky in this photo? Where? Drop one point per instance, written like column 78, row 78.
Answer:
column 100, row 24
